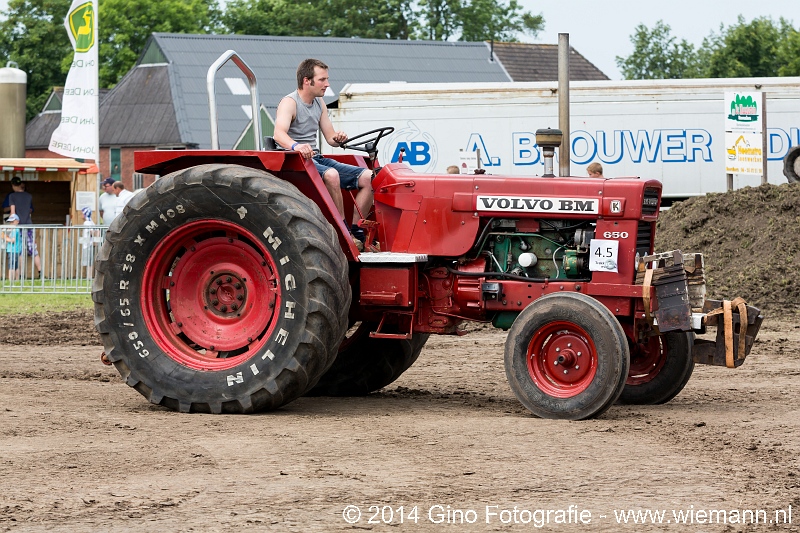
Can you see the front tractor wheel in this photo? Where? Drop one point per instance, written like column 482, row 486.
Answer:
column 566, row 357
column 218, row 290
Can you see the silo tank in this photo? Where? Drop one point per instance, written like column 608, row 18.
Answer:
column 12, row 110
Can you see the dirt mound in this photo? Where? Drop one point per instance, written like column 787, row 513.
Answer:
column 750, row 241
column 68, row 328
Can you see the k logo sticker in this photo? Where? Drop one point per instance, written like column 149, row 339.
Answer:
column 616, row 206
column 82, row 27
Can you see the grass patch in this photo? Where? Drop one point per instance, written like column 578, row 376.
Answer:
column 25, row 304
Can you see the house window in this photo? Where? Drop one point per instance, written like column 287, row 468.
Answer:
column 114, row 164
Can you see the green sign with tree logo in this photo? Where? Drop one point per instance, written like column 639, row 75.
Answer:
column 743, row 108
column 743, row 112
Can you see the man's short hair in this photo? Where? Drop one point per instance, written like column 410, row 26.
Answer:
column 119, row 185
column 595, row 167
column 306, row 70
column 453, row 169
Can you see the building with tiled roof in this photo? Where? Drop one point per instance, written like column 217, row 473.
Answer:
column 162, row 103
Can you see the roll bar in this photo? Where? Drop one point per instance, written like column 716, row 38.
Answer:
column 212, row 98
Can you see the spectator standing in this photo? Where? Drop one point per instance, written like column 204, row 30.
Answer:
column 13, row 241
column 108, row 201
column 123, row 197
column 21, row 204
column 595, row 170
column 87, row 242
column 453, row 169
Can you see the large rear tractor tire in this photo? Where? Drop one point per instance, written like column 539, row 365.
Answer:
column 566, row 357
column 218, row 290
column 365, row 364
column 660, row 369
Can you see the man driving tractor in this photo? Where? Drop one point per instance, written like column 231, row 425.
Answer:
column 300, row 115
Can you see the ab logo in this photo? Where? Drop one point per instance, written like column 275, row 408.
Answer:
column 419, row 153
column 82, row 28
column 420, row 148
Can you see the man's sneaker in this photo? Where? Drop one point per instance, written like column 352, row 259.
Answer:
column 358, row 232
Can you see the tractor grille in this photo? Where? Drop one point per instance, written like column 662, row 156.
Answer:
column 644, row 236
column 650, row 201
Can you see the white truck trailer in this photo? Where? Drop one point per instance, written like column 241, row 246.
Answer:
column 670, row 130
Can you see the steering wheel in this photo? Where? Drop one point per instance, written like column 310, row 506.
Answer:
column 369, row 141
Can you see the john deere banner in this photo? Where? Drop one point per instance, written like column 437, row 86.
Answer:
column 77, row 135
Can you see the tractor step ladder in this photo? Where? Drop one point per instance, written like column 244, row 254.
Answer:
column 377, row 260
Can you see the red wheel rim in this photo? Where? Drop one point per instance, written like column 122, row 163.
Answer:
column 562, row 359
column 647, row 360
column 209, row 295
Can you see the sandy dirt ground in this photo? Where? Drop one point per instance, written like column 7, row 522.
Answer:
column 80, row 451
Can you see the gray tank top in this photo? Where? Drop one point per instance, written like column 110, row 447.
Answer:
column 305, row 125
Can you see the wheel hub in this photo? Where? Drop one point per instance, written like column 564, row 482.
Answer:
column 561, row 359
column 567, row 358
column 226, row 293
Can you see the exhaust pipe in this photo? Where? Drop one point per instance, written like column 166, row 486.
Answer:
column 563, row 104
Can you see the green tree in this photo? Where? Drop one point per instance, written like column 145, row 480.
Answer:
column 384, row 19
column 475, row 20
column 657, row 55
column 125, row 26
column 271, row 17
column 437, row 20
column 33, row 34
column 789, row 54
column 381, row 19
column 485, row 20
column 746, row 49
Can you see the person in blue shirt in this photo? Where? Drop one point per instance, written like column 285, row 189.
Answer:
column 13, row 240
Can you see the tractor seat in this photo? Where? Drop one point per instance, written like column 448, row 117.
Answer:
column 271, row 146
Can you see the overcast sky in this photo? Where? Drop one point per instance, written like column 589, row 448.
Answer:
column 600, row 29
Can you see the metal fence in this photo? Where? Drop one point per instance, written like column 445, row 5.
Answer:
column 48, row 258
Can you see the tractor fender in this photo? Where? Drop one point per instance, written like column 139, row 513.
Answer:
column 415, row 212
column 285, row 165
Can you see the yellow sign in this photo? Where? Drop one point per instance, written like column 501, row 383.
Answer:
column 744, row 154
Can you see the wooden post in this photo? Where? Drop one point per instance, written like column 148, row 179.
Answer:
column 764, row 137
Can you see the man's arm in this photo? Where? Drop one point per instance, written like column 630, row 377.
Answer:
column 333, row 137
column 283, row 119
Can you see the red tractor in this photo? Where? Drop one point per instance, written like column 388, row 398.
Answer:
column 231, row 285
